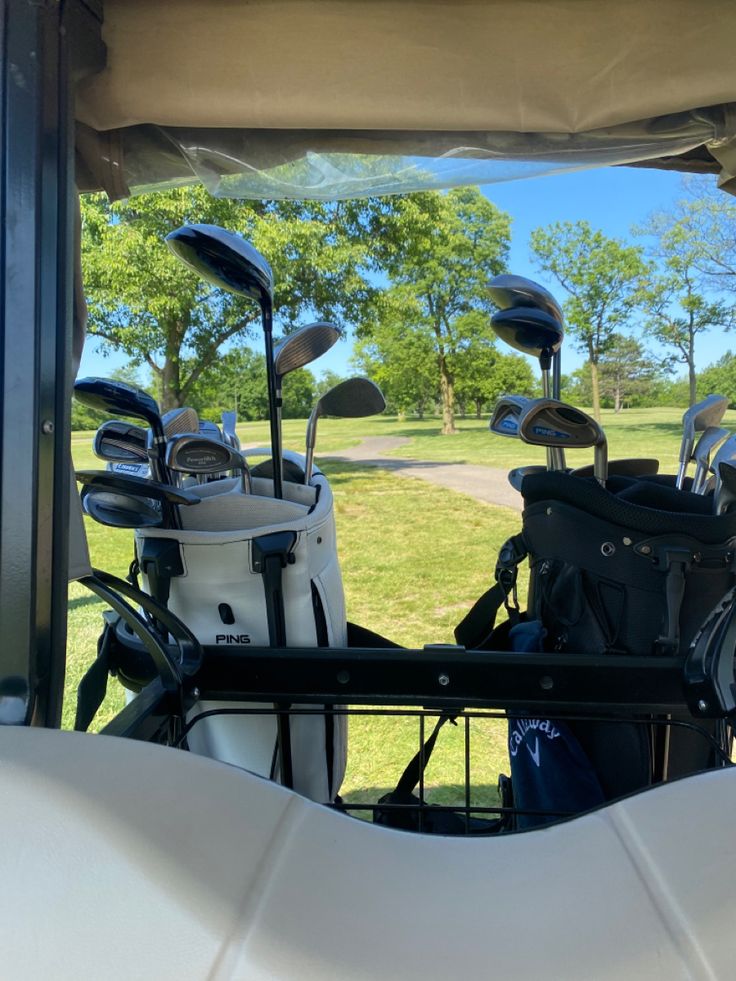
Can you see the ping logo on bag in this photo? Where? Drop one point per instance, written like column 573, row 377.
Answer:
column 232, row 639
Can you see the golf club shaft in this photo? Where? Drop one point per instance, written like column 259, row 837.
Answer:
column 273, row 413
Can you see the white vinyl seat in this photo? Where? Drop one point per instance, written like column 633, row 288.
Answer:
column 138, row 861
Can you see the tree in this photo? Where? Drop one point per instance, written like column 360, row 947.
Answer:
column 677, row 305
column 439, row 252
column 627, row 370
column 144, row 301
column 484, row 374
column 238, row 381
column 719, row 377
column 602, row 277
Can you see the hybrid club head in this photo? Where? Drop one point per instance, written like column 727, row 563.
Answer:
column 196, row 454
column 126, row 400
column 354, row 398
column 710, row 439
column 509, row 291
column 517, row 475
column 230, row 263
column 118, row 510
column 120, row 442
column 697, row 419
column 530, row 331
column 548, row 422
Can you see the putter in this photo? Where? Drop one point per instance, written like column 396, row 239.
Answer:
column 711, row 438
column 230, row 263
column 697, row 419
column 509, row 291
column 534, row 332
column 196, row 454
column 548, row 422
column 351, row 399
column 120, row 442
column 126, row 400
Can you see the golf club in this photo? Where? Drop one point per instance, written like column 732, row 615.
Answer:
column 120, row 510
column 126, row 400
column 182, row 420
column 712, row 436
column 120, row 442
column 536, row 332
column 229, row 422
column 516, row 476
column 351, row 399
column 505, row 418
column 196, row 454
column 509, row 291
column 548, row 422
column 230, row 263
column 697, row 419
column 726, row 495
column 168, row 495
column 726, row 454
column 297, row 350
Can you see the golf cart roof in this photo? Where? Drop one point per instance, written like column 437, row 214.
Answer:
column 339, row 98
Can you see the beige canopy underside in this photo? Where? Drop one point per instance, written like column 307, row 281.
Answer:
column 513, row 65
column 479, row 67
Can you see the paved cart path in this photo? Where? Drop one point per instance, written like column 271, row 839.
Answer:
column 489, row 484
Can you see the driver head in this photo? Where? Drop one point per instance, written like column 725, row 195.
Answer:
column 225, row 260
column 529, row 330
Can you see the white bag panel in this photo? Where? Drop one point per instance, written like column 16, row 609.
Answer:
column 143, row 861
column 218, row 568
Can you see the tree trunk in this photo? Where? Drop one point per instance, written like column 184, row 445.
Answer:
column 617, row 401
column 478, row 408
column 447, row 392
column 596, row 391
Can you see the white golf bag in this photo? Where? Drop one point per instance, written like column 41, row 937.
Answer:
column 220, row 592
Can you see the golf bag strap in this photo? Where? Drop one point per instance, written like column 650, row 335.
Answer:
column 93, row 686
column 475, row 629
column 417, row 765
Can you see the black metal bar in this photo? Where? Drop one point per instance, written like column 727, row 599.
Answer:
column 148, row 717
column 447, row 676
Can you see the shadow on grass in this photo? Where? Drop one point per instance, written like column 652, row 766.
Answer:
column 364, row 799
column 79, row 602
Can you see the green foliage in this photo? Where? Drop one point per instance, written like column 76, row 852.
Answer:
column 439, row 252
column 602, row 277
column 719, row 378
column 238, row 381
column 676, row 301
column 627, row 372
column 145, row 302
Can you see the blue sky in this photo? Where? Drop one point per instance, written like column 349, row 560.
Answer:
column 612, row 199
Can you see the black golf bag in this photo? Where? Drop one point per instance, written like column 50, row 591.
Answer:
column 609, row 575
